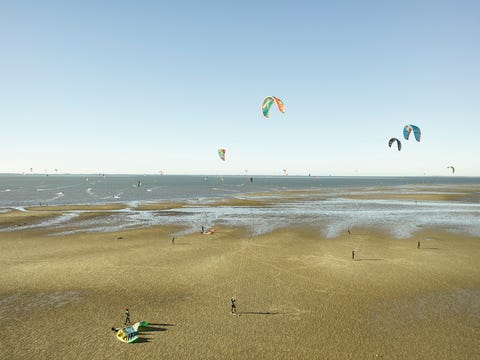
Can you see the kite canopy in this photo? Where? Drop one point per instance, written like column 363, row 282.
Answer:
column 221, row 153
column 268, row 102
column 392, row 140
column 408, row 129
column 452, row 168
column 129, row 334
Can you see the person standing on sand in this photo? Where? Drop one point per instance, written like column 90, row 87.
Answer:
column 349, row 231
column 418, row 245
column 353, row 254
column 173, row 240
column 234, row 307
column 127, row 316
column 203, row 230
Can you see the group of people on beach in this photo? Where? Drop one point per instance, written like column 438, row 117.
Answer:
column 233, row 300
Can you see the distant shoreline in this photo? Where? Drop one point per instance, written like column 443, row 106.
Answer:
column 398, row 176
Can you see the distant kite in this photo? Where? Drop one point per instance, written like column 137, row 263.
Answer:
column 408, row 129
column 451, row 168
column 392, row 140
column 268, row 102
column 221, row 153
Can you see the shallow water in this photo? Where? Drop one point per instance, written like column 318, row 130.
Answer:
column 28, row 190
column 323, row 203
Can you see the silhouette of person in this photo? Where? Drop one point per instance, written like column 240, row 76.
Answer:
column 418, row 245
column 353, row 254
column 234, row 306
column 127, row 316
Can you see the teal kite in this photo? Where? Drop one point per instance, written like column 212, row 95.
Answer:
column 408, row 129
column 268, row 102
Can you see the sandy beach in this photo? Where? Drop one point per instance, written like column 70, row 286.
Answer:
column 299, row 296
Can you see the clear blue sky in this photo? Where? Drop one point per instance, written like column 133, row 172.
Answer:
column 144, row 86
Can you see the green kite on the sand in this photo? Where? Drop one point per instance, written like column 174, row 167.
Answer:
column 129, row 334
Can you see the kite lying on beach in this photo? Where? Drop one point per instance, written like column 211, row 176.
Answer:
column 129, row 334
column 209, row 232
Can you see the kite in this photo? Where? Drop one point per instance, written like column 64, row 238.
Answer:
column 268, row 102
column 452, row 168
column 408, row 129
column 392, row 140
column 221, row 153
column 129, row 334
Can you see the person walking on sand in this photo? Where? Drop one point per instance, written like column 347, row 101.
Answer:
column 173, row 240
column 349, row 231
column 234, row 306
column 127, row 316
column 418, row 245
column 353, row 254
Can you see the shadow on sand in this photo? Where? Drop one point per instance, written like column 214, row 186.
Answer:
column 141, row 340
column 259, row 313
column 143, row 332
column 428, row 248
column 154, row 327
column 369, row 259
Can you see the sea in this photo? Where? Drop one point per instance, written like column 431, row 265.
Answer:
column 324, row 203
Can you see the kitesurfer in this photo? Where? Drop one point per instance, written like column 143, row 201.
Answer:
column 234, row 307
column 127, row 316
column 203, row 230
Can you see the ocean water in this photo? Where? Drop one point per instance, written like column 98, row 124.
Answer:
column 319, row 202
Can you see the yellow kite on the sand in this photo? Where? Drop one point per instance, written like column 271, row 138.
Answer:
column 129, row 334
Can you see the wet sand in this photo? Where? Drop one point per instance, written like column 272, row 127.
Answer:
column 299, row 296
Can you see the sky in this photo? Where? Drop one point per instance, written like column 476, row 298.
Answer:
column 159, row 86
